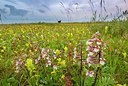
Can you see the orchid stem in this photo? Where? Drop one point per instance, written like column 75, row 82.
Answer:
column 97, row 71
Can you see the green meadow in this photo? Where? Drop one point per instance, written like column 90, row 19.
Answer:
column 21, row 45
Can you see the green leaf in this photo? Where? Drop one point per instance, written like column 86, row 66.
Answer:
column 89, row 81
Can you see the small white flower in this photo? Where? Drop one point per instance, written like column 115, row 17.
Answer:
column 17, row 71
column 89, row 61
column 36, row 61
column 89, row 43
column 51, row 78
column 88, row 48
column 98, row 33
column 17, row 63
column 74, row 57
column 43, row 56
column 54, row 56
column 90, row 54
column 48, row 50
column 89, row 64
column 42, row 49
column 90, row 73
column 47, row 58
column 96, row 50
column 55, row 67
column 98, row 43
column 49, row 62
column 75, row 49
column 46, row 65
column 102, row 61
column 17, row 68
column 39, row 58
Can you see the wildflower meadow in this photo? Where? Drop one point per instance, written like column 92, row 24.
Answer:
column 65, row 54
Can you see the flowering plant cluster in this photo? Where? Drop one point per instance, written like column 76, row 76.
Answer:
column 45, row 55
column 95, row 47
column 76, row 54
column 19, row 65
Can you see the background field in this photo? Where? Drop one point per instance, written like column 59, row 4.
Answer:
column 25, row 40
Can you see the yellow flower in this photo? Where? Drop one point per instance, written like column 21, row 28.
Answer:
column 2, row 51
column 57, row 52
column 4, row 47
column 63, row 63
column 29, row 64
column 59, row 59
column 121, row 85
column 27, row 44
column 106, row 29
column 62, row 77
column 124, row 54
column 65, row 49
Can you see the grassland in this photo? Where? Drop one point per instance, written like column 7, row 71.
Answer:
column 24, row 41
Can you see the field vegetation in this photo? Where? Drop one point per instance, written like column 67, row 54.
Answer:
column 43, row 54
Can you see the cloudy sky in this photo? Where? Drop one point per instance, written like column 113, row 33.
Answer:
column 17, row 11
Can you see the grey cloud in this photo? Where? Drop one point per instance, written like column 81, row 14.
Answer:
column 16, row 12
column 41, row 11
column 45, row 6
column 14, row 2
column 3, row 11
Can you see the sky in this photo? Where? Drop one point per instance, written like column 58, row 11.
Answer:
column 27, row 11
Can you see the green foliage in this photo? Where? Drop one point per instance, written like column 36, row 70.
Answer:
column 89, row 81
column 106, row 81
